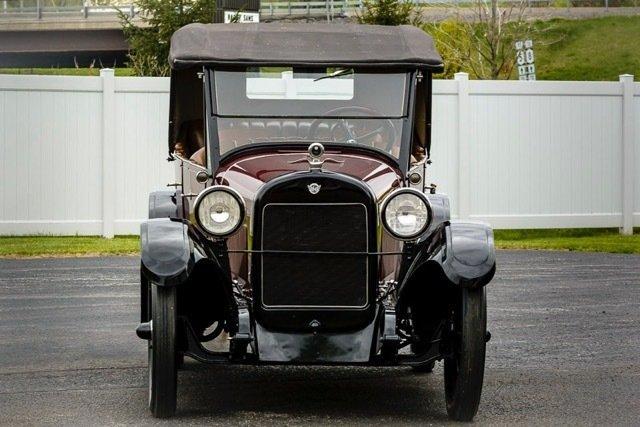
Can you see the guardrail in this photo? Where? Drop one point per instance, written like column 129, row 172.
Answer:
column 41, row 9
column 84, row 9
column 331, row 8
column 309, row 8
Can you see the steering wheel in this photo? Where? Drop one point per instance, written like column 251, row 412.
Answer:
column 386, row 130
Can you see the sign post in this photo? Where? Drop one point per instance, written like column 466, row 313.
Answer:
column 525, row 60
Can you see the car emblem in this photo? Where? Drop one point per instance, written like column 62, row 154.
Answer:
column 314, row 188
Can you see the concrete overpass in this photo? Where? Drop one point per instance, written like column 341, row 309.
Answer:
column 34, row 33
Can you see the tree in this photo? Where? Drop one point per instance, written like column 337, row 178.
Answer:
column 480, row 38
column 158, row 19
column 493, row 39
column 389, row 12
column 453, row 42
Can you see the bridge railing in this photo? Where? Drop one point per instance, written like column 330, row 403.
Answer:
column 91, row 9
column 300, row 8
column 41, row 9
column 308, row 8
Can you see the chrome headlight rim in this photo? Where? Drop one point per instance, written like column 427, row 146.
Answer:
column 394, row 194
column 228, row 190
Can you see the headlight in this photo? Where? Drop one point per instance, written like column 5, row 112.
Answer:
column 219, row 210
column 406, row 213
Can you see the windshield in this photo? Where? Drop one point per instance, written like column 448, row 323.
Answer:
column 329, row 105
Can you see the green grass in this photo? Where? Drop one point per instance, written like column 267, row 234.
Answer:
column 588, row 240
column 120, row 72
column 587, row 49
column 35, row 246
column 585, row 240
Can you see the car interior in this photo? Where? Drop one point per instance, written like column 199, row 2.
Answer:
column 233, row 132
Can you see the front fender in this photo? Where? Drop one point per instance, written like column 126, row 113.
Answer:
column 463, row 252
column 470, row 256
column 166, row 251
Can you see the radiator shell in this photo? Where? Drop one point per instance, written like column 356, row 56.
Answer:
column 315, row 267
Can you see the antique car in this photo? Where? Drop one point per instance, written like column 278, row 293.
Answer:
column 301, row 228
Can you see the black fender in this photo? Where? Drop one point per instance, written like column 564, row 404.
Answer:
column 173, row 254
column 470, row 256
column 162, row 204
column 462, row 252
column 166, row 251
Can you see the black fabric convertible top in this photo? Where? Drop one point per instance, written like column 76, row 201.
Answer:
column 303, row 45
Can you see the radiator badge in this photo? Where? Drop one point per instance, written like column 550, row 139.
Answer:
column 314, row 188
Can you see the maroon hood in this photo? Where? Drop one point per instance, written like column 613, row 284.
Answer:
column 247, row 173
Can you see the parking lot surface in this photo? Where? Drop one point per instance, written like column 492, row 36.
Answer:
column 565, row 351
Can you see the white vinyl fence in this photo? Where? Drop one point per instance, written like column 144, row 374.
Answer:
column 79, row 155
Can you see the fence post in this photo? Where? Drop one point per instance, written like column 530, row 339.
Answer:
column 108, row 151
column 628, row 155
column 463, row 145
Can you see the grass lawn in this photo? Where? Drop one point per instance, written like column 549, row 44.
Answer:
column 586, row 240
column 587, row 49
column 591, row 240
column 35, row 246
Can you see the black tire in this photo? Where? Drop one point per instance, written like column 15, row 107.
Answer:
column 464, row 372
column 163, row 376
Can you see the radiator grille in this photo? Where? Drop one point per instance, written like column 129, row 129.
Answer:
column 317, row 279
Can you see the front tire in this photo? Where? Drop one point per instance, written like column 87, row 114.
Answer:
column 464, row 370
column 163, row 376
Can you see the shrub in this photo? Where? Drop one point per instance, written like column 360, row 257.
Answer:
column 454, row 44
column 149, row 42
column 482, row 42
column 390, row 12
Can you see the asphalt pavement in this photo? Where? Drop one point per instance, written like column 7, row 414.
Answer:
column 565, row 351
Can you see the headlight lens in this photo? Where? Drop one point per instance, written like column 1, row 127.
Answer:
column 219, row 210
column 406, row 214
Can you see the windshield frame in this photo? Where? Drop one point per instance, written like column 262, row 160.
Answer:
column 212, row 136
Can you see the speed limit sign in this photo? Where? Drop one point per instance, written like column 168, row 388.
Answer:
column 525, row 60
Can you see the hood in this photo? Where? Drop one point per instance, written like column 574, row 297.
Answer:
column 248, row 172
